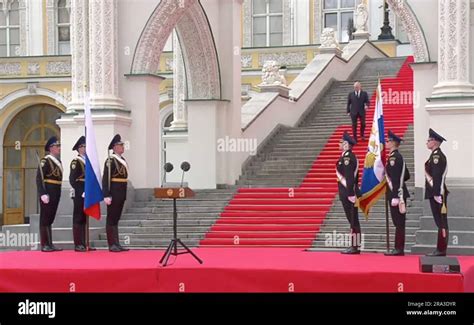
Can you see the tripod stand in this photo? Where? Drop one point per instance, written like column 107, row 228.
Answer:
column 172, row 249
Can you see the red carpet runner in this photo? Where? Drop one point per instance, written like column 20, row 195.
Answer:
column 270, row 217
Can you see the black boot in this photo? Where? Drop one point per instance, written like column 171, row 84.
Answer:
column 351, row 250
column 78, row 232
column 50, row 235
column 399, row 243
column 441, row 245
column 395, row 252
column 117, row 240
column 113, row 247
column 44, row 240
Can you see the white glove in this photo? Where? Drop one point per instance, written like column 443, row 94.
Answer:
column 352, row 198
column 395, row 202
column 438, row 199
column 45, row 198
column 108, row 200
column 83, row 195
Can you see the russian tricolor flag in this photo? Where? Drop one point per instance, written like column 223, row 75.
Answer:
column 373, row 177
column 93, row 188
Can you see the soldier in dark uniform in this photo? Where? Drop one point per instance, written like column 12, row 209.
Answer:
column 347, row 172
column 436, row 191
column 77, row 180
column 48, row 181
column 397, row 174
column 114, row 186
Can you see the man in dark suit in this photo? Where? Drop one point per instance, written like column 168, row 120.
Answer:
column 347, row 172
column 397, row 192
column 357, row 104
column 436, row 168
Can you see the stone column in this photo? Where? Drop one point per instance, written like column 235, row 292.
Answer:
column 180, row 114
column 103, row 30
column 453, row 49
column 80, row 56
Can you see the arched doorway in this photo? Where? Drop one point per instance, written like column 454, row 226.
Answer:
column 24, row 139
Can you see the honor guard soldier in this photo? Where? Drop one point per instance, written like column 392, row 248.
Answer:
column 347, row 172
column 436, row 168
column 397, row 174
column 77, row 180
column 48, row 181
column 114, row 185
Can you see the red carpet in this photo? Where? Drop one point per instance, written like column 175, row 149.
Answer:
column 259, row 217
column 224, row 270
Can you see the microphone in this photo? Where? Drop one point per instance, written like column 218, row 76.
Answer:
column 168, row 168
column 185, row 166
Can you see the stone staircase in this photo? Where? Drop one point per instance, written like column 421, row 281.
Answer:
column 461, row 235
column 287, row 157
column 149, row 223
column 262, row 214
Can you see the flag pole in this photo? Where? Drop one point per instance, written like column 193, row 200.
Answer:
column 88, row 246
column 387, row 226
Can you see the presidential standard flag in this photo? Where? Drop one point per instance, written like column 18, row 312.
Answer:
column 373, row 177
column 93, row 188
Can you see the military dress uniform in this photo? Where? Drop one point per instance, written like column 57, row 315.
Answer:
column 49, row 178
column 77, row 176
column 114, row 186
column 397, row 174
column 347, row 172
column 436, row 168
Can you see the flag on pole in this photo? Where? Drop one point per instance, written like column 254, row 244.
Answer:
column 373, row 177
column 93, row 188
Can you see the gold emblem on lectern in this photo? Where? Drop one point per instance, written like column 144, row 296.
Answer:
column 169, row 192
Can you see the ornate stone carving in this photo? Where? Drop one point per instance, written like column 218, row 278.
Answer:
column 271, row 74
column 246, row 61
column 247, row 23
column 286, row 22
column 453, row 48
column 103, row 75
column 328, row 38
column 51, row 20
column 10, row 69
column 361, row 18
column 285, row 58
column 404, row 13
column 80, row 57
column 58, row 68
column 199, row 52
column 180, row 114
column 317, row 18
column 414, row 30
column 33, row 68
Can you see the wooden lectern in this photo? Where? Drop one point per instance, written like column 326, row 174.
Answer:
column 175, row 193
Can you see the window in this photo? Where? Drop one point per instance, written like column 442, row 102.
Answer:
column 337, row 14
column 267, row 16
column 10, row 29
column 63, row 27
